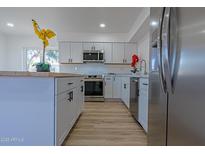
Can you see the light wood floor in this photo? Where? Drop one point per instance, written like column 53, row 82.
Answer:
column 106, row 124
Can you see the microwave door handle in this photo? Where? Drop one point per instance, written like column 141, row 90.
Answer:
column 159, row 53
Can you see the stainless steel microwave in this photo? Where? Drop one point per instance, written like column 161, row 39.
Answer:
column 93, row 56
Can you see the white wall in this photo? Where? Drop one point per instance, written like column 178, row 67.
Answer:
column 143, row 49
column 95, row 68
column 16, row 45
column 3, row 51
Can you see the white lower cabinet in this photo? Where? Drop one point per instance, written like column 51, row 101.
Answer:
column 112, row 86
column 125, row 91
column 69, row 105
column 143, row 103
column 108, row 86
column 116, row 87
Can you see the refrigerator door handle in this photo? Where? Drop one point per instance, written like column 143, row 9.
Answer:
column 169, row 47
column 175, row 55
column 166, row 48
column 159, row 52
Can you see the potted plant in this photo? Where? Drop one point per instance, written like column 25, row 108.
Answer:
column 43, row 35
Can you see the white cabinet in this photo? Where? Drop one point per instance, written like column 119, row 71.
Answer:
column 87, row 45
column 76, row 52
column 69, row 105
column 98, row 45
column 130, row 49
column 41, row 111
column 64, row 52
column 112, row 86
column 107, row 47
column 125, row 91
column 122, row 52
column 70, row 52
column 143, row 103
column 108, row 86
column 80, row 100
column 116, row 87
column 118, row 53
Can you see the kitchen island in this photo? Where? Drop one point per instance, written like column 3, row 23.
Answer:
column 38, row 108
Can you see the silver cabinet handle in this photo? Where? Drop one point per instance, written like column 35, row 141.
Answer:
column 70, row 96
column 70, row 83
column 125, row 86
column 145, row 84
column 82, row 88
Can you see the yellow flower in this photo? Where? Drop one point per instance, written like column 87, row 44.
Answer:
column 43, row 34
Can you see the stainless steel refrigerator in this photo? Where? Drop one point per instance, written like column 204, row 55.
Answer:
column 177, row 76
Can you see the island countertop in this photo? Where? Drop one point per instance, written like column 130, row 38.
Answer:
column 37, row 74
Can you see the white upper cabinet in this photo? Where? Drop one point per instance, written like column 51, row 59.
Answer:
column 114, row 53
column 70, row 52
column 130, row 49
column 107, row 47
column 64, row 52
column 76, row 54
column 98, row 46
column 87, row 45
column 118, row 53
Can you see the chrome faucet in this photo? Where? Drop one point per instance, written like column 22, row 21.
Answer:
column 145, row 66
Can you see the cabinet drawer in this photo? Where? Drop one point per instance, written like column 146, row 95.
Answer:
column 65, row 84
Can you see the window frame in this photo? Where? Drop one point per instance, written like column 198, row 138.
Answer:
column 25, row 52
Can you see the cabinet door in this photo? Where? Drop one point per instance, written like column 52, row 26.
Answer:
column 143, row 103
column 82, row 95
column 63, row 117
column 108, row 86
column 79, row 98
column 107, row 47
column 88, row 45
column 76, row 52
column 130, row 49
column 116, row 87
column 125, row 92
column 64, row 52
column 98, row 46
column 118, row 53
column 73, row 106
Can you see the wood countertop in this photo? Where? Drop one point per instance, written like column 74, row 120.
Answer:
column 37, row 74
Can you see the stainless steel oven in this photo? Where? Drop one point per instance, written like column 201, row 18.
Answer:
column 94, row 88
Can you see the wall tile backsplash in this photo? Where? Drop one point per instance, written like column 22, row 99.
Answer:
column 94, row 68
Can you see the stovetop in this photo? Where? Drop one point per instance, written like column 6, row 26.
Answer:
column 93, row 76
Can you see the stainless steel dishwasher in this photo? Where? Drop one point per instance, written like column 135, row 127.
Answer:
column 134, row 95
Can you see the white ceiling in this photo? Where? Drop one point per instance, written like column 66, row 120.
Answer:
column 61, row 20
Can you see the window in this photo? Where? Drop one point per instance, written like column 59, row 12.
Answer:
column 33, row 56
